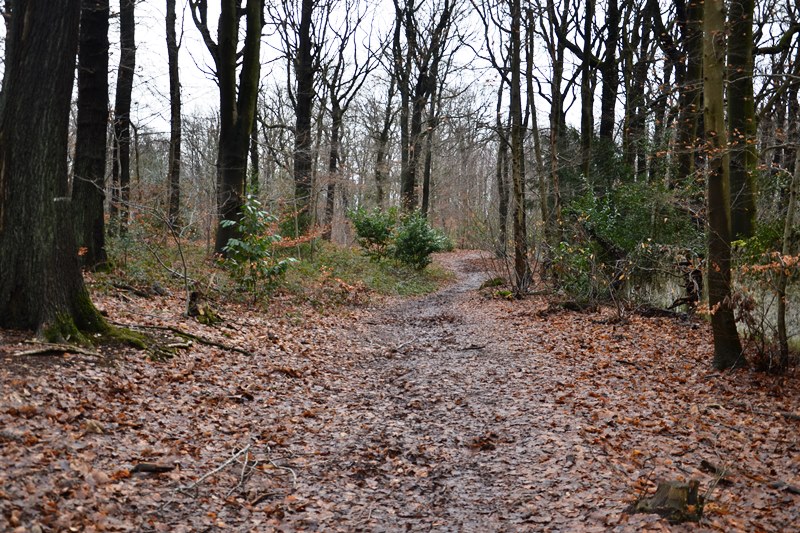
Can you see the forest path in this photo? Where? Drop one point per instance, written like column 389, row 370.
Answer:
column 451, row 412
column 445, row 424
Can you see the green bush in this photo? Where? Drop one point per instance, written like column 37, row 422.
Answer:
column 251, row 259
column 374, row 230
column 415, row 240
column 409, row 238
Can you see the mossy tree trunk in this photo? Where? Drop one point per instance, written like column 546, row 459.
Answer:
column 40, row 280
column 727, row 347
column 88, row 182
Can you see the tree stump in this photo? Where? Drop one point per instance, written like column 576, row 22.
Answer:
column 202, row 310
column 674, row 500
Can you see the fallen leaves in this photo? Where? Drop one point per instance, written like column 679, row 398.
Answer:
column 446, row 412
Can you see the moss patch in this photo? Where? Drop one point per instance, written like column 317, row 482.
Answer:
column 63, row 329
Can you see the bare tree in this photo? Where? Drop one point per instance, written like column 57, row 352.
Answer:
column 343, row 76
column 174, row 169
column 89, row 170
column 727, row 347
column 237, row 99
column 417, row 50
column 121, row 141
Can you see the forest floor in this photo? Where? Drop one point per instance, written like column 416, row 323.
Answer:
column 450, row 412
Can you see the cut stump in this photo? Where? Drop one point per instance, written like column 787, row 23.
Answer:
column 674, row 500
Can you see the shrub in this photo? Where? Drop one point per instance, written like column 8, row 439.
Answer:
column 409, row 238
column 374, row 230
column 415, row 240
column 252, row 259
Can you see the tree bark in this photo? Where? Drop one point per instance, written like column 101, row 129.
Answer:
column 255, row 172
column 786, row 250
column 381, row 166
column 303, row 156
column 521, row 270
column 237, row 101
column 690, row 20
column 333, row 168
column 431, row 123
column 727, row 347
column 609, row 78
column 501, row 175
column 121, row 142
column 41, row 285
column 742, row 119
column 89, row 170
column 587, row 96
column 174, row 164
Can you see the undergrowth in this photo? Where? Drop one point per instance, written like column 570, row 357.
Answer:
column 324, row 275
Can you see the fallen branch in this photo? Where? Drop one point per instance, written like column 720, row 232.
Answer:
column 48, row 348
column 132, row 289
column 190, row 336
column 780, row 485
column 774, row 484
column 216, row 470
column 152, row 468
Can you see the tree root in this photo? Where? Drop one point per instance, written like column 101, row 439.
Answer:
column 189, row 336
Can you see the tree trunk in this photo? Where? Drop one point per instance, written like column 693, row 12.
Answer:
column 431, row 123
column 587, row 96
column 609, row 76
column 501, row 176
column 742, row 119
column 89, row 170
column 303, row 157
column 381, row 166
column 402, row 75
column 521, row 271
column 537, row 141
column 41, row 285
column 638, row 125
column 783, row 276
column 690, row 98
column 121, row 142
column 237, row 101
column 727, row 347
column 174, row 164
column 255, row 172
column 333, row 169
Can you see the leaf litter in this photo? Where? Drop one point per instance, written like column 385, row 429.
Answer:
column 450, row 412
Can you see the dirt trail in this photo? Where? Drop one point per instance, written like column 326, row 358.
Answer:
column 450, row 428
column 451, row 412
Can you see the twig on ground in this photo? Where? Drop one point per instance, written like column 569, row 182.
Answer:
column 773, row 484
column 292, row 472
column 400, row 346
column 216, row 470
